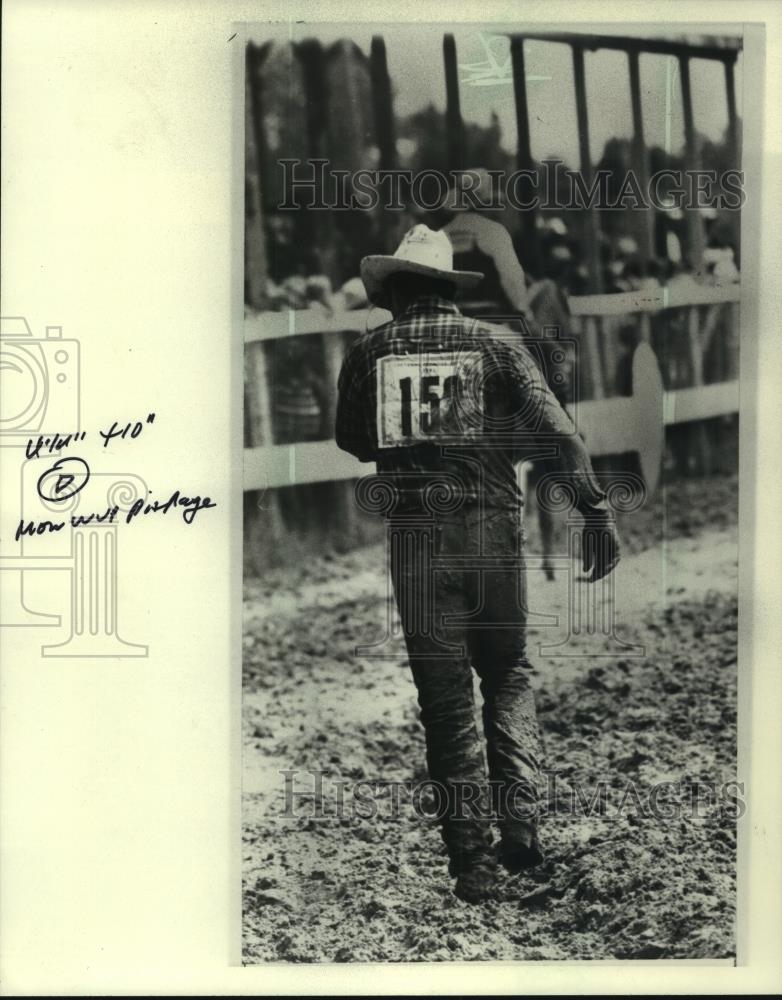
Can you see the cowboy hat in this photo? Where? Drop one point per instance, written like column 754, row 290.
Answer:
column 422, row 251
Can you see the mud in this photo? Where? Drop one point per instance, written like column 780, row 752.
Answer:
column 644, row 870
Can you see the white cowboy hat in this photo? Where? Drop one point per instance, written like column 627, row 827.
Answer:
column 422, row 251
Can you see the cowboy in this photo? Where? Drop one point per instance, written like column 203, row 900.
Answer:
column 441, row 404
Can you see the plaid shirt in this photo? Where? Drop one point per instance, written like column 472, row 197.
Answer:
column 436, row 394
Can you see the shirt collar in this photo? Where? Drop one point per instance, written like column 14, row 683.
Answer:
column 429, row 304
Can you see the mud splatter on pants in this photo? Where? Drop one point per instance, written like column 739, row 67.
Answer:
column 460, row 589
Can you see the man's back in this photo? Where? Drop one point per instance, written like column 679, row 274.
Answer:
column 444, row 406
column 434, row 395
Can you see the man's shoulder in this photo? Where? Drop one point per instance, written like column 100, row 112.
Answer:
column 413, row 327
column 461, row 330
column 506, row 348
column 373, row 341
column 488, row 334
column 367, row 346
column 366, row 338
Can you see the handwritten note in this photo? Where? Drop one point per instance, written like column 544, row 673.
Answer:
column 69, row 474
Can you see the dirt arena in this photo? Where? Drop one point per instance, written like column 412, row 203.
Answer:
column 647, row 717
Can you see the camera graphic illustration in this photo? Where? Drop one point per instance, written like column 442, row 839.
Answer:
column 40, row 393
column 39, row 382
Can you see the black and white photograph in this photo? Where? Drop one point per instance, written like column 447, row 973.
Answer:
column 493, row 330
column 390, row 498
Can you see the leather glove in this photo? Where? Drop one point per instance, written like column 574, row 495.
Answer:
column 599, row 544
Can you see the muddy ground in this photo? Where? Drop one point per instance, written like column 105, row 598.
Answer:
column 642, row 720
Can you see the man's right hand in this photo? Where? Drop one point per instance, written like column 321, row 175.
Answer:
column 599, row 544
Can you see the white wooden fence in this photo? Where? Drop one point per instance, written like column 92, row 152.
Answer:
column 611, row 424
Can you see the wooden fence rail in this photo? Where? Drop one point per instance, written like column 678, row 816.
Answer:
column 603, row 416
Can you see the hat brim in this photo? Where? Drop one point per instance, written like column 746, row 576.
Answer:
column 377, row 268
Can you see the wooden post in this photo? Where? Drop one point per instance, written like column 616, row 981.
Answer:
column 312, row 58
column 640, row 164
column 255, row 262
column 348, row 123
column 385, row 130
column 694, row 342
column 609, row 345
column 694, row 222
column 730, row 89
column 256, row 396
column 264, row 528
column 591, row 241
column 453, row 114
column 640, row 158
column 699, row 445
column 733, row 143
column 592, row 364
column 732, row 342
column 383, row 105
column 592, row 238
column 523, row 146
column 344, row 527
column 698, row 440
column 317, row 225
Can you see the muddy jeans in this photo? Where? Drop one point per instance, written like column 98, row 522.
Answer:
column 460, row 589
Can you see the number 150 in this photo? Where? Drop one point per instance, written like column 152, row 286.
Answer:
column 429, row 413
